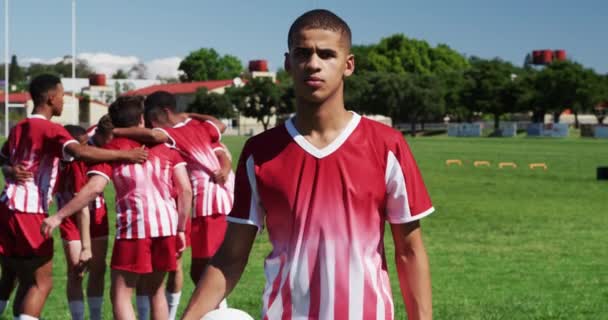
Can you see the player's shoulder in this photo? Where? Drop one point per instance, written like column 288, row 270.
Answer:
column 268, row 140
column 380, row 132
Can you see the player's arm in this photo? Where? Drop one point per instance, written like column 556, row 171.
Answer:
column 184, row 201
column 92, row 189
column 221, row 176
column 205, row 117
column 93, row 155
column 83, row 219
column 413, row 270
column 143, row 135
column 224, row 271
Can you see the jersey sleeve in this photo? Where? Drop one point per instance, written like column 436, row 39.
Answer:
column 80, row 175
column 211, row 129
column 247, row 208
column 407, row 198
column 167, row 132
column 60, row 138
column 177, row 158
column 101, row 169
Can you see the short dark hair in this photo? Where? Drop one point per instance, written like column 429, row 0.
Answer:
column 156, row 102
column 319, row 19
column 126, row 111
column 75, row 131
column 104, row 125
column 41, row 85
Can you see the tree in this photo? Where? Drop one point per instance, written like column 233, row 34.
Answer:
column 399, row 54
column 218, row 105
column 566, row 84
column 260, row 98
column 283, row 77
column 61, row 69
column 138, row 71
column 206, row 64
column 120, row 74
column 489, row 88
column 15, row 72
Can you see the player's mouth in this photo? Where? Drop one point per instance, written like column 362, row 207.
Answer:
column 314, row 82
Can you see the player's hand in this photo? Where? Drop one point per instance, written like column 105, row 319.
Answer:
column 221, row 176
column 17, row 173
column 137, row 155
column 49, row 224
column 181, row 243
column 83, row 261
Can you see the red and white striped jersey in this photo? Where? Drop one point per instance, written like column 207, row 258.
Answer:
column 145, row 193
column 325, row 211
column 72, row 177
column 38, row 144
column 197, row 142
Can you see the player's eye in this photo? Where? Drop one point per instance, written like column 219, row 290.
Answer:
column 326, row 54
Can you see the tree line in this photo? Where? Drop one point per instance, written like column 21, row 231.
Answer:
column 413, row 82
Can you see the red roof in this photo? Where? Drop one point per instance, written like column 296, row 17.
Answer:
column 181, row 88
column 17, row 97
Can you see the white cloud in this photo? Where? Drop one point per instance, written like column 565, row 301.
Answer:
column 108, row 64
column 165, row 68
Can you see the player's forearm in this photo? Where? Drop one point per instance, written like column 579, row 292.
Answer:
column 142, row 135
column 205, row 117
column 96, row 155
column 80, row 201
column 83, row 219
column 222, row 157
column 184, row 206
column 415, row 281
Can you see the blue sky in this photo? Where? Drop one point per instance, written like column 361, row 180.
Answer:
column 146, row 31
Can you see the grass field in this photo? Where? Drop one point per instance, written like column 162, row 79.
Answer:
column 503, row 243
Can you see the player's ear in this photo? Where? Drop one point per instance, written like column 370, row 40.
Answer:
column 350, row 65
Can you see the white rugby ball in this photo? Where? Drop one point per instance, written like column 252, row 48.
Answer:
column 227, row 314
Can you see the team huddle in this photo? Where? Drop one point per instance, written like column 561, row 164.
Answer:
column 323, row 184
column 157, row 176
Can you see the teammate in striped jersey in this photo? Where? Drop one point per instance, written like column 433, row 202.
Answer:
column 324, row 184
column 150, row 223
column 198, row 139
column 77, row 245
column 36, row 145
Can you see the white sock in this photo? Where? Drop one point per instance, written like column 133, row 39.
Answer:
column 173, row 303
column 25, row 317
column 143, row 307
column 3, row 304
column 76, row 309
column 95, row 307
column 223, row 304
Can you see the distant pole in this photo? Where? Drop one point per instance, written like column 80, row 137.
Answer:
column 6, row 91
column 73, row 47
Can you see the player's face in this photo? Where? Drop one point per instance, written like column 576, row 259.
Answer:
column 56, row 100
column 101, row 140
column 318, row 61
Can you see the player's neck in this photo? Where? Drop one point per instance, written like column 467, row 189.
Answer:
column 44, row 111
column 176, row 118
column 330, row 115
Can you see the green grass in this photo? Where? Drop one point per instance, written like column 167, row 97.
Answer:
column 503, row 243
